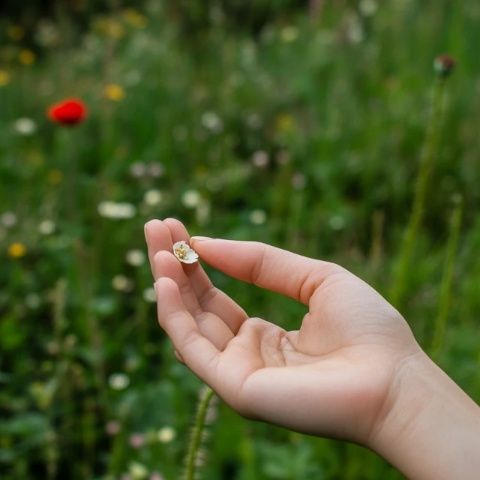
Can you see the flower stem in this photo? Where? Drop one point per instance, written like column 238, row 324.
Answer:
column 447, row 280
column 192, row 458
column 427, row 161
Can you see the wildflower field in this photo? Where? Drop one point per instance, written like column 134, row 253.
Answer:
column 321, row 127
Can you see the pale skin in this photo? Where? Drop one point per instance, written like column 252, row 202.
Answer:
column 353, row 369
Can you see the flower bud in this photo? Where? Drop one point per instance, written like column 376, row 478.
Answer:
column 444, row 65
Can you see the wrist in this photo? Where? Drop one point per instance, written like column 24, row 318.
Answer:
column 429, row 427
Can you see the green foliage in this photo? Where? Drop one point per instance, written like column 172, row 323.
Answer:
column 249, row 120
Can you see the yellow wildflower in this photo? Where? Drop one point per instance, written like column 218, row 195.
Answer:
column 134, row 18
column 55, row 176
column 114, row 92
column 109, row 27
column 285, row 123
column 17, row 250
column 26, row 56
column 4, row 78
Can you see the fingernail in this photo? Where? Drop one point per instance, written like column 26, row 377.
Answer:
column 199, row 239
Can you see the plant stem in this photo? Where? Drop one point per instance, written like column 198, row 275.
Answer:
column 62, row 390
column 427, row 161
column 446, row 285
column 192, row 458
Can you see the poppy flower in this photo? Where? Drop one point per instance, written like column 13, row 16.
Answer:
column 68, row 112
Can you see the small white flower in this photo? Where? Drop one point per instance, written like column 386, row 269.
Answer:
column 25, row 126
column 258, row 217
column 118, row 381
column 355, row 31
column 46, row 227
column 152, row 197
column 155, row 169
column 368, row 7
column 138, row 471
column 116, row 210
column 113, row 427
column 138, row 169
column 191, row 198
column 166, row 434
column 260, row 159
column 156, row 476
column 137, row 440
column 184, row 252
column 122, row 283
column 211, row 121
column 135, row 257
column 106, row 209
column 8, row 219
column 126, row 210
column 149, row 295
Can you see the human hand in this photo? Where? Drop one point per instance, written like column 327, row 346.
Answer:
column 352, row 370
column 330, row 377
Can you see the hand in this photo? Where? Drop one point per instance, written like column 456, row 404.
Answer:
column 331, row 377
column 352, row 370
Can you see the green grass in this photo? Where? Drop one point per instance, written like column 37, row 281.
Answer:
column 339, row 104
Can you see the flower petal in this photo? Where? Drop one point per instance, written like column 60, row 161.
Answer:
column 184, row 252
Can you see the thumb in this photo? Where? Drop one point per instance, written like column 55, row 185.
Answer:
column 266, row 266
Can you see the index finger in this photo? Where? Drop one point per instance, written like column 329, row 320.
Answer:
column 266, row 266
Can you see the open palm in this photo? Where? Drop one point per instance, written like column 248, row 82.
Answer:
column 334, row 376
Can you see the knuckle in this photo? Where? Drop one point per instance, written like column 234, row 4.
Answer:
column 184, row 288
column 208, row 296
column 161, row 256
column 257, row 268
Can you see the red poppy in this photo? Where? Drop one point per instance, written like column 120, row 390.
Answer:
column 68, row 112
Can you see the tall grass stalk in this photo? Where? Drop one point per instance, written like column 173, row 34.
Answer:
column 376, row 247
column 193, row 458
column 447, row 281
column 422, row 184
column 61, row 393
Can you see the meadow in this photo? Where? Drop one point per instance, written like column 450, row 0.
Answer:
column 323, row 129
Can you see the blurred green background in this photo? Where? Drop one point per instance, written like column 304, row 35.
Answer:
column 296, row 123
